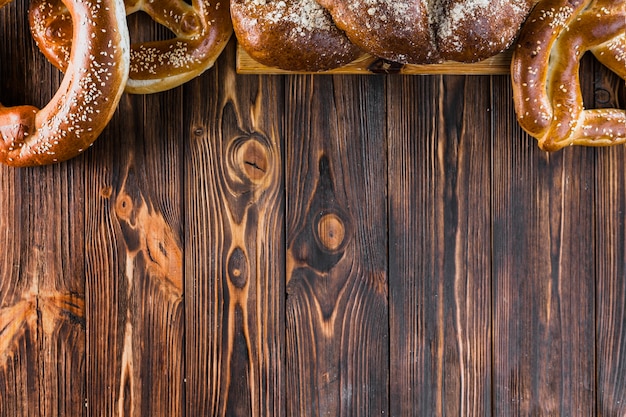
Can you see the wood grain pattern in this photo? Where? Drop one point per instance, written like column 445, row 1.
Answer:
column 336, row 335
column 42, row 306
column 368, row 64
column 135, row 265
column 281, row 245
column 543, row 276
column 234, row 268
column 439, row 226
column 610, row 197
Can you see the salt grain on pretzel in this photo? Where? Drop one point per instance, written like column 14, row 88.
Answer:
column 545, row 72
column 87, row 97
column 202, row 30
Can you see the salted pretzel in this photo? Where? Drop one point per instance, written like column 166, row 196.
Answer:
column 545, row 71
column 87, row 97
column 202, row 30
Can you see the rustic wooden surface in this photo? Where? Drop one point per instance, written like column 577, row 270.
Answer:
column 299, row 245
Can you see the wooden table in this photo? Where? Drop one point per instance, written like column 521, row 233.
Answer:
column 296, row 245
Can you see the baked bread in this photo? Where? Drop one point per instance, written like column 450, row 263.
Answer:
column 430, row 31
column 545, row 72
column 201, row 30
column 87, row 97
column 294, row 35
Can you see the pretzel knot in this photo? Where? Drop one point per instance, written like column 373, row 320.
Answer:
column 545, row 71
column 202, row 30
column 87, row 97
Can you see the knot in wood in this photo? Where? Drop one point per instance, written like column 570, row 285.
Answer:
column 124, row 207
column 106, row 191
column 249, row 162
column 238, row 268
column 253, row 159
column 331, row 232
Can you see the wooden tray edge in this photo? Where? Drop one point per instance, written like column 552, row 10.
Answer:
column 368, row 64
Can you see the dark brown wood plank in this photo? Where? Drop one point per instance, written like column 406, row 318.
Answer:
column 610, row 198
column 134, row 265
column 336, row 313
column 42, row 322
column 439, row 245
column 234, row 227
column 543, row 251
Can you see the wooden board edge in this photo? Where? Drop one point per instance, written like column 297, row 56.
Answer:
column 368, row 64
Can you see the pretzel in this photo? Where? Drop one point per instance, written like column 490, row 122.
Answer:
column 87, row 97
column 545, row 72
column 202, row 30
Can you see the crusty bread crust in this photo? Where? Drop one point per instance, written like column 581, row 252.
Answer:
column 295, row 35
column 430, row 31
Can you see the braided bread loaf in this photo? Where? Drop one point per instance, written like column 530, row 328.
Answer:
column 420, row 31
column 287, row 33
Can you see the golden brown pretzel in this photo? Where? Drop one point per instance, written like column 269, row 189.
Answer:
column 87, row 97
column 545, row 71
column 202, row 31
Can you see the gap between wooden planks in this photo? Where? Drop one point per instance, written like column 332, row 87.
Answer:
column 368, row 64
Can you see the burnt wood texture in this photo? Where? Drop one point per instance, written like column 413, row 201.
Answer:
column 311, row 245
